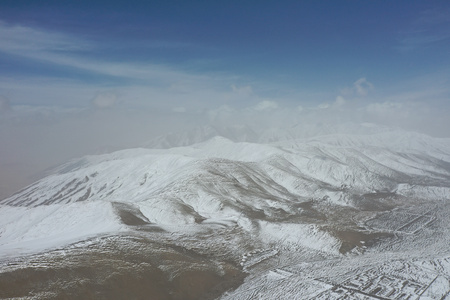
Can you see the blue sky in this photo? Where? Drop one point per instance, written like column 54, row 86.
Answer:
column 198, row 54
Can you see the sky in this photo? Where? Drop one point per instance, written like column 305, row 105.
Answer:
column 85, row 77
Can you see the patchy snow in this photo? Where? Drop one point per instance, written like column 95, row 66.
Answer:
column 299, row 235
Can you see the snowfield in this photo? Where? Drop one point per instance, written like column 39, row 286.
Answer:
column 347, row 203
column 27, row 230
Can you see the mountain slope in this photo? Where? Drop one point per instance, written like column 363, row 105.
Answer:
column 218, row 181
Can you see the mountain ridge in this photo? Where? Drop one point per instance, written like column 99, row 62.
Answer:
column 251, row 184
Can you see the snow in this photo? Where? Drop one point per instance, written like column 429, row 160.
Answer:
column 28, row 230
column 299, row 235
column 219, row 179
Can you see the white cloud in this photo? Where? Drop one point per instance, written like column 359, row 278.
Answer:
column 362, row 86
column 323, row 106
column 266, row 105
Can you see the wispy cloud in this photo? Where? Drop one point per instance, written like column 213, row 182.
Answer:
column 415, row 40
column 434, row 16
column 60, row 49
column 430, row 27
column 140, row 83
column 27, row 41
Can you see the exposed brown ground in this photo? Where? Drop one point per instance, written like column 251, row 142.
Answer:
column 136, row 269
column 351, row 239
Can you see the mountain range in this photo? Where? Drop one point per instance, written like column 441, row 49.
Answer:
column 281, row 192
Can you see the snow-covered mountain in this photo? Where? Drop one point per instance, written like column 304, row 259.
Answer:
column 314, row 199
column 252, row 185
